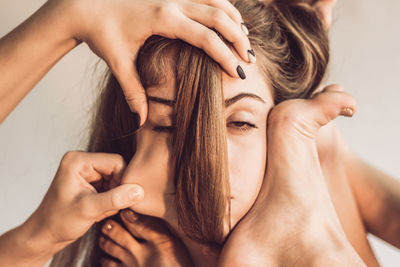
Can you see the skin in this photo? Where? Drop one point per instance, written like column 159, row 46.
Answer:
column 161, row 247
column 364, row 197
column 375, row 202
column 247, row 151
column 60, row 33
column 246, row 145
column 69, row 208
column 64, row 24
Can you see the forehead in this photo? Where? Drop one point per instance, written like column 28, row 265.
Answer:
column 254, row 83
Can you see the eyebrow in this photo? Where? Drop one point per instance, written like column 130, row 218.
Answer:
column 232, row 100
column 228, row 101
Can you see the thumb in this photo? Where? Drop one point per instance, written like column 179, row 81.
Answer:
column 135, row 95
column 110, row 202
column 325, row 8
column 332, row 102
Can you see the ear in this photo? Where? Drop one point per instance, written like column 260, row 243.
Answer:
column 325, row 8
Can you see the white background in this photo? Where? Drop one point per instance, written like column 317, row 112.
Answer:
column 53, row 118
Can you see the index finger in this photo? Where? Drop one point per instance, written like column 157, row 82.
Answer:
column 226, row 6
column 125, row 72
column 94, row 166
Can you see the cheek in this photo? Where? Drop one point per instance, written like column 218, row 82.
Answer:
column 247, row 161
column 150, row 168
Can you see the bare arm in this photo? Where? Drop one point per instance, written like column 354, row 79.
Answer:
column 70, row 207
column 30, row 51
column 378, row 198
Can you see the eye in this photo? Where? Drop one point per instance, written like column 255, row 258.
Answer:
column 163, row 129
column 242, row 126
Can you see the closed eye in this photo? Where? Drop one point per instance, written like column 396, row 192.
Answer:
column 242, row 126
column 237, row 125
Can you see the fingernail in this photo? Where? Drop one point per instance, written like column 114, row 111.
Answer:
column 244, row 28
column 107, row 227
column 240, row 72
column 136, row 120
column 136, row 193
column 130, row 216
column 347, row 111
column 252, row 56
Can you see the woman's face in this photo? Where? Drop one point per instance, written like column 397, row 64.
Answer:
column 247, row 103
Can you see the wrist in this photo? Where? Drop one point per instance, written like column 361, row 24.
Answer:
column 77, row 17
column 22, row 247
column 65, row 19
column 39, row 246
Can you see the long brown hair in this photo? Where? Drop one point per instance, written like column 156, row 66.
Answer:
column 292, row 50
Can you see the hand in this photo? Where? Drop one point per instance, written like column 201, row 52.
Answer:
column 115, row 30
column 293, row 222
column 324, row 7
column 158, row 246
column 72, row 205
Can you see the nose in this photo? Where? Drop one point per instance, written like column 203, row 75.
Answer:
column 149, row 168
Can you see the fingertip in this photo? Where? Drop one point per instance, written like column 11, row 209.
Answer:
column 108, row 226
column 136, row 120
column 244, row 28
column 129, row 215
column 139, row 113
column 251, row 56
column 136, row 193
column 135, row 94
column 240, row 72
column 347, row 112
column 125, row 196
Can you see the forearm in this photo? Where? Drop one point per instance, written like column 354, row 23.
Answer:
column 28, row 52
column 378, row 198
column 21, row 246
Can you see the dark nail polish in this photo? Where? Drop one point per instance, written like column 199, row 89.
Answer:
column 136, row 120
column 241, row 73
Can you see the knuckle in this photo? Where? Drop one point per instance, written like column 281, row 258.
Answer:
column 209, row 38
column 71, row 158
column 109, row 247
column 124, row 241
column 85, row 208
column 236, row 14
column 284, row 117
column 219, row 17
column 165, row 10
column 230, row 8
column 135, row 96
column 119, row 161
column 116, row 200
